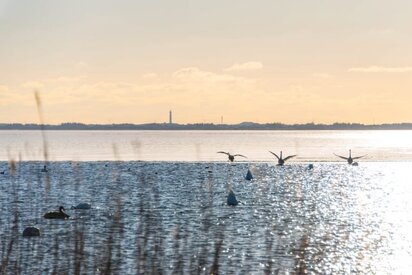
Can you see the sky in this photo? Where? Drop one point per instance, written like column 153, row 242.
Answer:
column 130, row 61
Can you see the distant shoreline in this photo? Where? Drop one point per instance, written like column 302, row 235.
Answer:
column 206, row 126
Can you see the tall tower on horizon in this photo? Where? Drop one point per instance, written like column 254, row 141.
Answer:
column 170, row 117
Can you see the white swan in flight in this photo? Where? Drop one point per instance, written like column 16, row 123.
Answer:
column 350, row 159
column 281, row 160
column 230, row 156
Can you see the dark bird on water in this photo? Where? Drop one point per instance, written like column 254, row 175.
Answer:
column 282, row 160
column 230, row 156
column 350, row 158
column 56, row 214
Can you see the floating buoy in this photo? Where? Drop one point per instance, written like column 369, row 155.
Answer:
column 231, row 199
column 31, row 232
column 249, row 175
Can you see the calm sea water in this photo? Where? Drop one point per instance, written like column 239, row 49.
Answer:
column 203, row 145
column 171, row 217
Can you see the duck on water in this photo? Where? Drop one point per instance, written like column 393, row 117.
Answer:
column 57, row 214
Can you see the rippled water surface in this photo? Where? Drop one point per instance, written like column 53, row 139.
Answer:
column 172, row 217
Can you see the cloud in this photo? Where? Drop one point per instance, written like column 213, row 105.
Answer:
column 248, row 66
column 149, row 75
column 192, row 89
column 12, row 97
column 81, row 65
column 195, row 75
column 33, row 85
column 66, row 79
column 323, row 75
column 378, row 69
column 3, row 89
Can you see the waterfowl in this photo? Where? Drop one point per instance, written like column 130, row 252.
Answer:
column 231, row 199
column 230, row 156
column 31, row 232
column 281, row 160
column 56, row 214
column 44, row 170
column 310, row 166
column 82, row 206
column 350, row 159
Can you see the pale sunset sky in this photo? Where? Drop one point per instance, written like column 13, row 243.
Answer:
column 100, row 61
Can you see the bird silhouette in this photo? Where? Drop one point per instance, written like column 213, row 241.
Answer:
column 230, row 156
column 57, row 214
column 350, row 158
column 282, row 160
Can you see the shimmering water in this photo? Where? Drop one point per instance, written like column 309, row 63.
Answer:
column 172, row 217
column 203, row 145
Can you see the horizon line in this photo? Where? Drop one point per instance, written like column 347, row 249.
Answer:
column 201, row 123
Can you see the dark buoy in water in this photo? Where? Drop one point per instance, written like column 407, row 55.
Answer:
column 31, row 232
column 249, row 175
column 44, row 170
column 310, row 166
column 355, row 164
column 231, row 199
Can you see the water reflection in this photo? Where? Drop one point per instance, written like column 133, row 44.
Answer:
column 312, row 146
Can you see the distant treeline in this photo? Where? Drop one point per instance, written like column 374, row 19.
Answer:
column 207, row 126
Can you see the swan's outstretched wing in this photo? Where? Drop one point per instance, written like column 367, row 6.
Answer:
column 359, row 157
column 274, row 154
column 221, row 152
column 342, row 157
column 239, row 155
column 289, row 157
